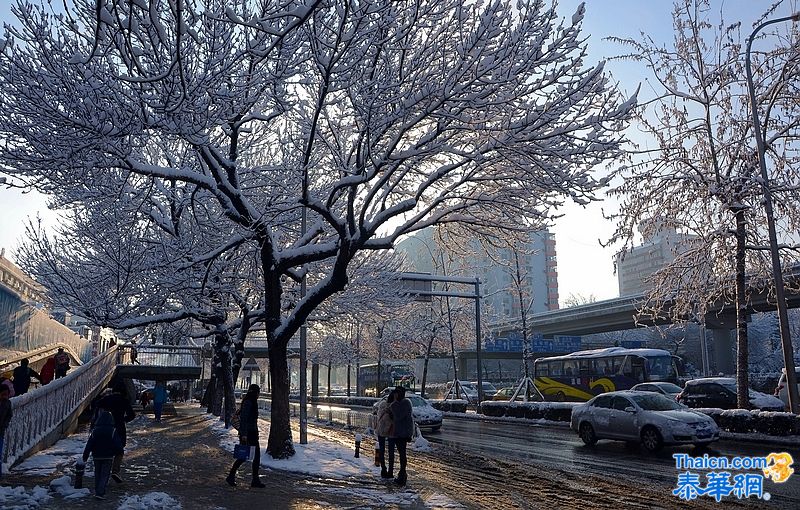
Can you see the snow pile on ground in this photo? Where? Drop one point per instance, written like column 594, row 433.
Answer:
column 150, row 501
column 56, row 458
column 378, row 498
column 438, row 501
column 421, row 444
column 320, row 457
column 63, row 486
column 17, row 498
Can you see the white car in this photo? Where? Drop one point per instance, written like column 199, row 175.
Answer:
column 641, row 416
column 425, row 415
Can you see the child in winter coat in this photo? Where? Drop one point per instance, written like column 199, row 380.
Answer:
column 104, row 443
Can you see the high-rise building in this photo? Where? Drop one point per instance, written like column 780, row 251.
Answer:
column 659, row 246
column 537, row 270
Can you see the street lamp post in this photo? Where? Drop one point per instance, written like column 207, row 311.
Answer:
column 786, row 340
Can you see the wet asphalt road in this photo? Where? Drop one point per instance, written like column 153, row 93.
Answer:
column 558, row 448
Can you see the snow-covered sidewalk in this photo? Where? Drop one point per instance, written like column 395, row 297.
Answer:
column 180, row 464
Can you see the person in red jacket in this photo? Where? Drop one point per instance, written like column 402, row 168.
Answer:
column 62, row 363
column 48, row 370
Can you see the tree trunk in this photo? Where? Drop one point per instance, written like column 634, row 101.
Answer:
column 742, row 361
column 328, row 393
column 208, row 397
column 349, row 368
column 279, row 444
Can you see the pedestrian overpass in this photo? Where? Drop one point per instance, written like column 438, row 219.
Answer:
column 45, row 414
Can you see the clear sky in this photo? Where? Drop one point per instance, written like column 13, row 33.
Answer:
column 584, row 267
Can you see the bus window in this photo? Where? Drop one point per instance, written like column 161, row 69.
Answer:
column 660, row 368
column 570, row 368
column 584, row 367
column 542, row 369
column 617, row 362
column 556, row 368
column 602, row 367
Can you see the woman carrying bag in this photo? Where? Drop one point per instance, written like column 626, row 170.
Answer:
column 248, row 435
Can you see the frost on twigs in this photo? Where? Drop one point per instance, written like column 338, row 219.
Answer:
column 187, row 145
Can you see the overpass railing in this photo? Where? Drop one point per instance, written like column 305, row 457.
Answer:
column 38, row 354
column 40, row 412
column 160, row 355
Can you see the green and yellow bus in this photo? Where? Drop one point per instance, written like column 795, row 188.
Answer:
column 581, row 375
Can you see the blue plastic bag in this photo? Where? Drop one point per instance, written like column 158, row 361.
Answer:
column 243, row 452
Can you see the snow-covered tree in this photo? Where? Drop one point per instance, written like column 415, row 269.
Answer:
column 701, row 178
column 377, row 118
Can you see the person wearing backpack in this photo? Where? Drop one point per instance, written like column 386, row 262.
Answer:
column 248, row 435
column 103, row 445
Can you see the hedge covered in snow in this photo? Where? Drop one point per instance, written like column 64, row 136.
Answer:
column 343, row 400
column 553, row 411
column 450, row 406
column 764, row 422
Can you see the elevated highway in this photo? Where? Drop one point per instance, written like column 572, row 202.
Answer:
column 619, row 314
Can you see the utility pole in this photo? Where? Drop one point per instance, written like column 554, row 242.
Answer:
column 783, row 316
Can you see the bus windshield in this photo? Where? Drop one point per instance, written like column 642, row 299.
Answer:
column 660, row 368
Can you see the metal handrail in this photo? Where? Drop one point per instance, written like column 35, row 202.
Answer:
column 160, row 355
column 41, row 411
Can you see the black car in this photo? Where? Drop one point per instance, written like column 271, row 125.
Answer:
column 720, row 392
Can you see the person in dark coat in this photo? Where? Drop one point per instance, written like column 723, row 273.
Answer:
column 22, row 377
column 248, row 435
column 5, row 418
column 119, row 405
column 403, row 431
column 104, row 445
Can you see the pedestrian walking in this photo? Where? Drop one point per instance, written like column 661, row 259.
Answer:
column 48, row 372
column 119, row 405
column 403, row 431
column 159, row 398
column 104, row 445
column 248, row 435
column 8, row 383
column 385, row 429
column 5, row 418
column 62, row 363
column 22, row 377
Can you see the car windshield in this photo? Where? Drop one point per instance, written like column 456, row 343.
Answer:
column 655, row 402
column 670, row 388
column 416, row 401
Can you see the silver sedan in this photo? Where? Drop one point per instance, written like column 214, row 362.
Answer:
column 640, row 416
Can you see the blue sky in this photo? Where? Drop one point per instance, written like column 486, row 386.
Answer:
column 584, row 267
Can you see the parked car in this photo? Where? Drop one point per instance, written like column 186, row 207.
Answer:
column 721, row 392
column 782, row 391
column 504, row 393
column 665, row 388
column 489, row 389
column 468, row 392
column 425, row 415
column 643, row 417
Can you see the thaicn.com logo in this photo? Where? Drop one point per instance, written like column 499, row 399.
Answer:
column 729, row 476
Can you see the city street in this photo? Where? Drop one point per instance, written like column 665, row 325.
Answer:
column 558, row 450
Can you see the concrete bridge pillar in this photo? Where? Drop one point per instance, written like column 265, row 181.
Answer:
column 723, row 348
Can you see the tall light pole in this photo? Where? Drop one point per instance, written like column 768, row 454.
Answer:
column 783, row 316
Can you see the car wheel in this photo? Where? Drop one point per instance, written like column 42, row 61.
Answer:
column 651, row 439
column 587, row 434
column 560, row 397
